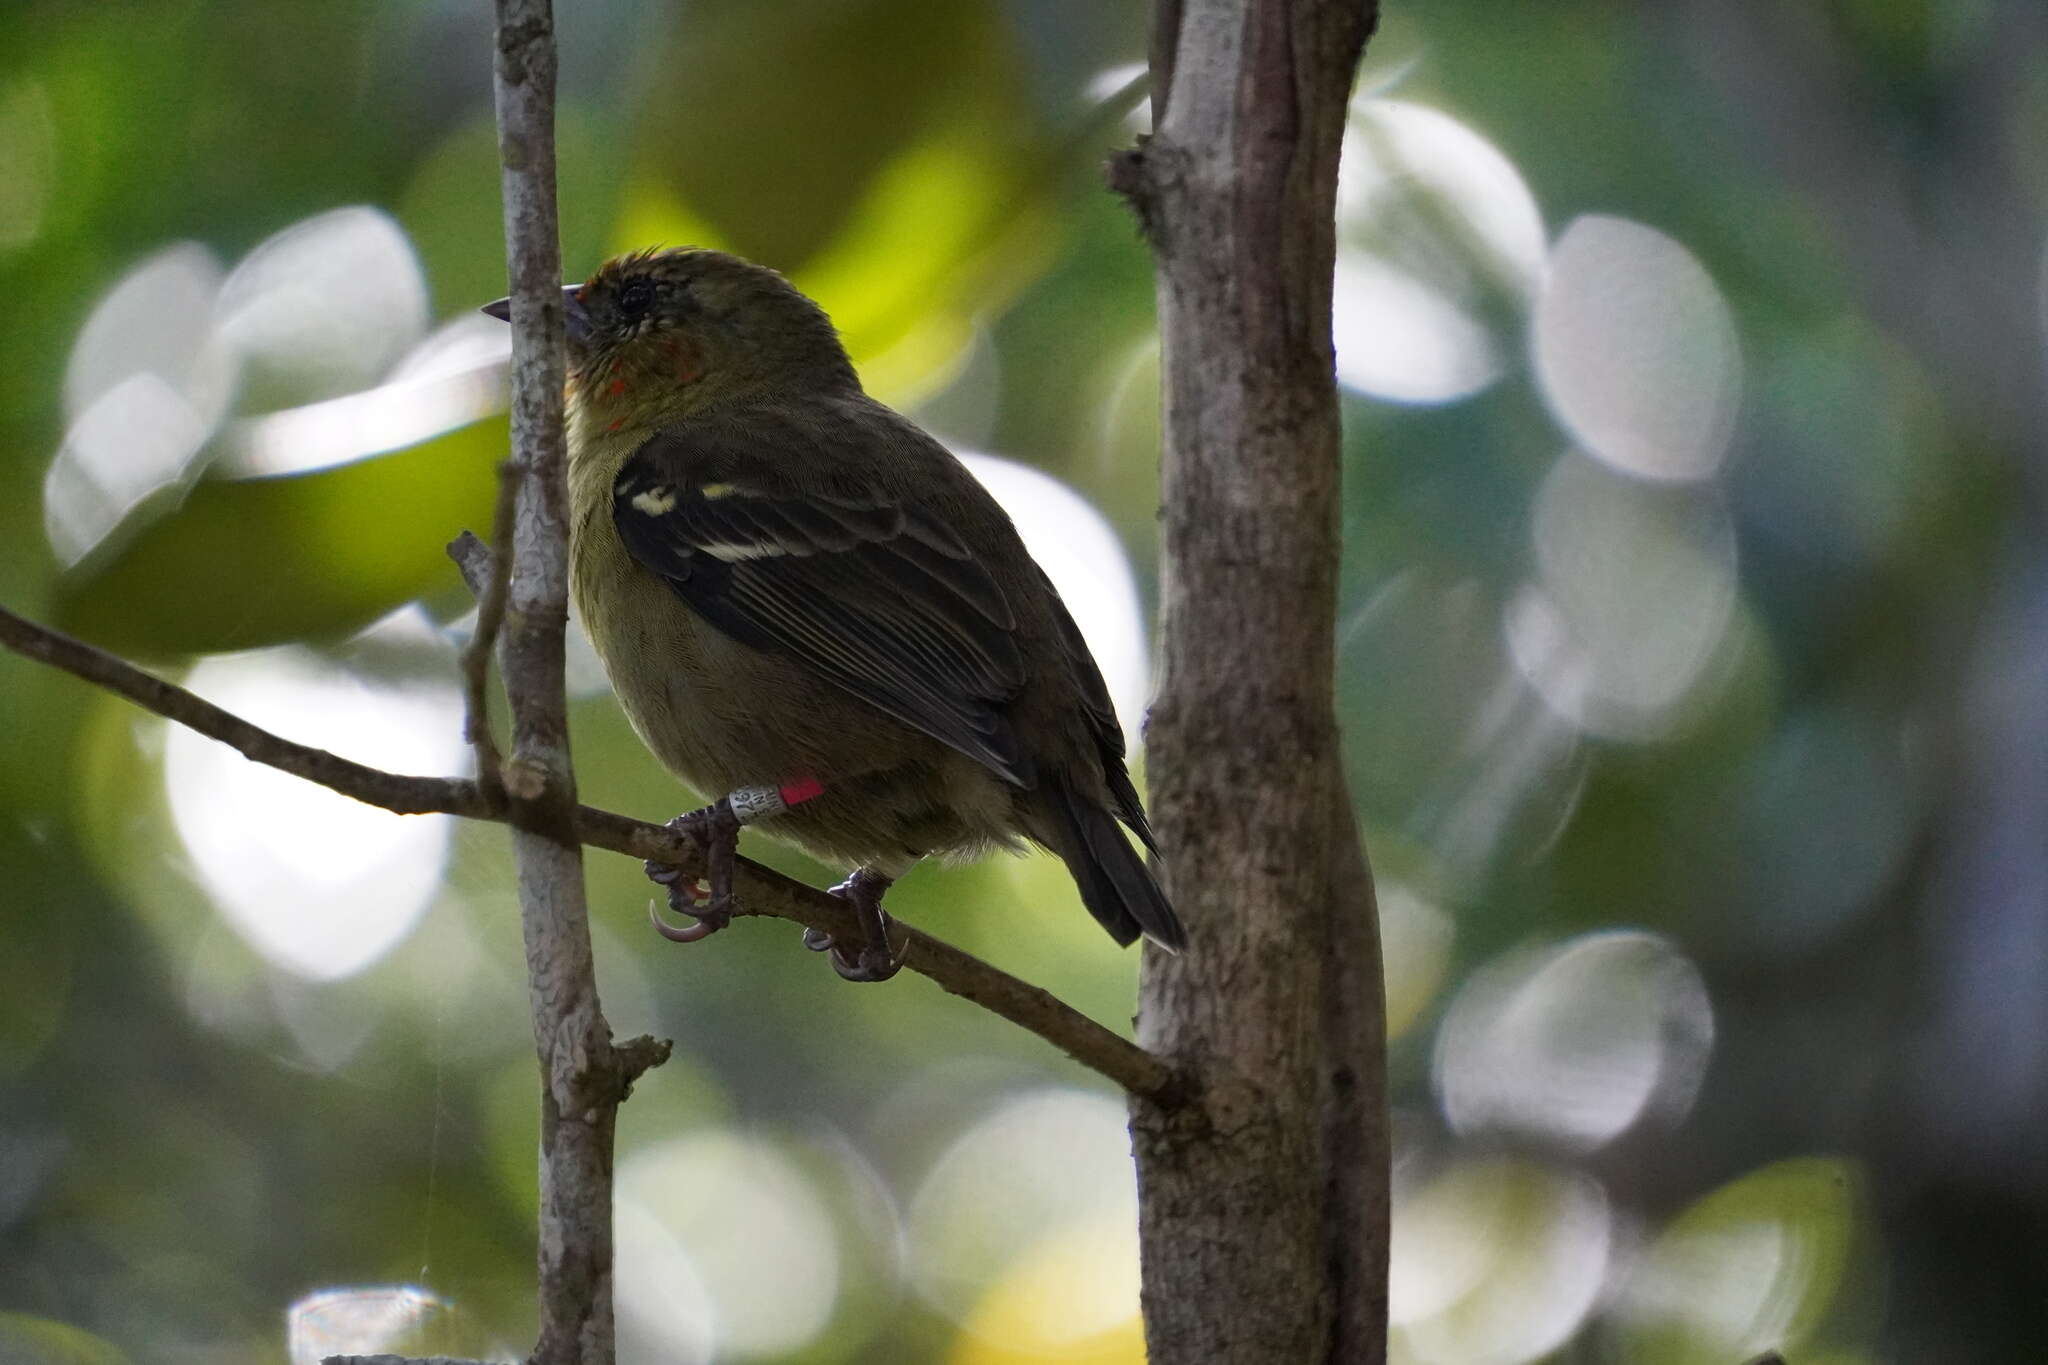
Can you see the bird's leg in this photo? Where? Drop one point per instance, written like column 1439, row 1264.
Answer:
column 874, row 960
column 716, row 830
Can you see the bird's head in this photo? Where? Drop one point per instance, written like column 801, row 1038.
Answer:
column 658, row 334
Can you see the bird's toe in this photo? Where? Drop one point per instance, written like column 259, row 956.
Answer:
column 706, row 900
column 869, row 963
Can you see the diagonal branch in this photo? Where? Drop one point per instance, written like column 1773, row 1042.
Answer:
column 372, row 786
column 762, row 891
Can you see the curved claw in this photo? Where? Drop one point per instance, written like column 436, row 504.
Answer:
column 870, row 964
column 702, row 928
column 716, row 831
column 817, row 940
column 671, row 877
column 876, row 959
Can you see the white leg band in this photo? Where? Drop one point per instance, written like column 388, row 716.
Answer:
column 756, row 803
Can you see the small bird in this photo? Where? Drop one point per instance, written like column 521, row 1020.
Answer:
column 808, row 603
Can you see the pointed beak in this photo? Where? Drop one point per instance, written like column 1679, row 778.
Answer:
column 574, row 320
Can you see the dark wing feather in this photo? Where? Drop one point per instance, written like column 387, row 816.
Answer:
column 1101, row 714
column 875, row 595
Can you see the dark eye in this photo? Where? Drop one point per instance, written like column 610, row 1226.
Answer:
column 635, row 297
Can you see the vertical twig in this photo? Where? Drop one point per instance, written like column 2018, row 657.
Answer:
column 476, row 655
column 1263, row 1206
column 583, row 1077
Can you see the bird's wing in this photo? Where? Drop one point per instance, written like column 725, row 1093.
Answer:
column 1101, row 714
column 871, row 591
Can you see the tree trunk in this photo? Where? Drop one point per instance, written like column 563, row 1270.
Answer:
column 1263, row 1195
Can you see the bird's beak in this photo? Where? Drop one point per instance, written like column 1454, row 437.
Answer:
column 574, row 320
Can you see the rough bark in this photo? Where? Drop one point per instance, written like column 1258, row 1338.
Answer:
column 583, row 1077
column 1263, row 1203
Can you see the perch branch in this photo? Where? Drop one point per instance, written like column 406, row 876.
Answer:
column 762, row 891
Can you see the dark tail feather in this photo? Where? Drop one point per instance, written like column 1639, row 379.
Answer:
column 1116, row 886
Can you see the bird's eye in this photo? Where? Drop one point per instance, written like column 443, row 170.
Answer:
column 635, row 297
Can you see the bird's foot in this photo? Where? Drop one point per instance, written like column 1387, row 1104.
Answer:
column 716, row 830
column 874, row 960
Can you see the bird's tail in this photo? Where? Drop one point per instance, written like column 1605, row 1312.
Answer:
column 1116, row 886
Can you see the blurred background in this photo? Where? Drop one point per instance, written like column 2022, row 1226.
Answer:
column 1694, row 642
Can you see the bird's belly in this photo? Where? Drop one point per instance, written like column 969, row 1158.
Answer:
column 653, row 650
column 721, row 715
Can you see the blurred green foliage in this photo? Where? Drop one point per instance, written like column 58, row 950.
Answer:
column 1778, row 705
column 319, row 554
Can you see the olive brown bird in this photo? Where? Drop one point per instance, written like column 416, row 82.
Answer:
column 806, row 602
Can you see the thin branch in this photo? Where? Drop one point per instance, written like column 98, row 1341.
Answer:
column 762, row 891
column 476, row 562
column 373, row 786
column 490, row 594
column 583, row 1077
